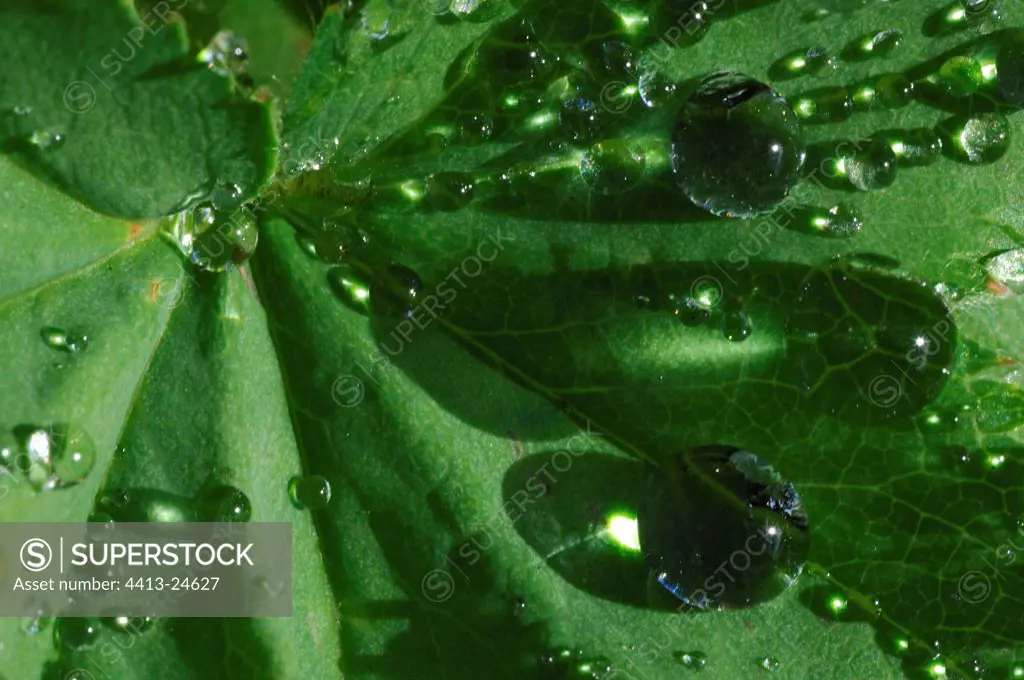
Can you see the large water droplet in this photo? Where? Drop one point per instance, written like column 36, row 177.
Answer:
column 960, row 76
column 223, row 504
column 894, row 91
column 736, row 326
column 719, row 528
column 655, row 89
column 737, row 147
column 837, row 221
column 146, row 505
column 613, row 166
column 229, row 241
column 75, row 633
column 871, row 168
column 982, row 138
column 873, row 45
column 1010, row 67
column 64, row 341
column 311, row 492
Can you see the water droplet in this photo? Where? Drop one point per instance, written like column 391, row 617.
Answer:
column 768, row 663
column 132, row 625
column 475, row 129
column 872, row 167
column 894, row 91
column 612, row 166
column 737, row 147
column 735, row 326
column 75, row 633
column 226, row 55
column 311, row 492
column 723, row 529
column 146, row 505
column 618, row 59
column 579, row 118
column 655, row 89
column 684, row 24
column 225, row 196
column 696, row 661
column 352, row 289
column 837, row 221
column 474, row 10
column 915, row 147
column 815, row 61
column 47, row 139
column 1008, row 269
column 223, row 504
column 229, row 241
column 449, row 191
column 1010, row 68
column 58, row 456
column 64, row 341
column 960, row 76
column 518, row 606
column 982, row 138
column 689, row 311
column 877, row 44
column 395, row 290
column 38, row 618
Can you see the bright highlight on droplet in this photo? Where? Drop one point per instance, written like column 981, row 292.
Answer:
column 937, row 670
column 1018, row 671
column 837, row 604
column 412, row 190
column 988, row 70
column 623, row 530
column 633, row 23
column 902, row 644
column 540, row 120
column 996, row 461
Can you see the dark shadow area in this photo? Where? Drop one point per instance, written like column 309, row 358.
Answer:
column 562, row 503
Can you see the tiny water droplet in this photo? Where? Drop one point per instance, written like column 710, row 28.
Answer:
column 737, row 146
column 132, row 625
column 449, row 191
column 311, row 492
column 223, row 504
column 877, row 44
column 75, row 633
column 871, row 168
column 768, row 663
column 612, row 166
column 226, row 55
column 47, row 139
column 64, row 341
column 735, row 326
column 837, row 221
column 696, row 661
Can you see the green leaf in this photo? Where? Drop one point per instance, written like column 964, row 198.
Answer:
column 144, row 126
column 480, row 446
